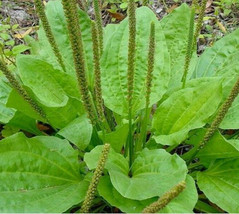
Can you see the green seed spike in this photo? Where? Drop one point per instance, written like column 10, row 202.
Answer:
column 151, row 55
column 73, row 25
column 95, row 180
column 200, row 21
column 189, row 46
column 17, row 86
column 131, row 68
column 165, row 199
column 151, row 59
column 97, row 72
column 46, row 26
column 218, row 119
column 99, row 24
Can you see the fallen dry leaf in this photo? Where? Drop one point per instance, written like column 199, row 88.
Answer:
column 118, row 16
column 22, row 35
column 221, row 27
column 42, row 127
column 209, row 7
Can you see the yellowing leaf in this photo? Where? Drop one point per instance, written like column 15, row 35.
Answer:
column 22, row 35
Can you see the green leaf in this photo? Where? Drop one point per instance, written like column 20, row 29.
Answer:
column 19, row 49
column 109, row 30
column 157, row 166
column 38, row 175
column 214, row 58
column 36, row 74
column 110, row 194
column 17, row 102
column 184, row 203
column 9, row 130
column 55, row 15
column 222, row 60
column 185, row 110
column 5, row 36
column 114, row 65
column 58, row 117
column 217, row 147
column 6, row 114
column 230, row 121
column 117, row 138
column 23, row 122
column 235, row 143
column 10, row 42
column 220, row 183
column 175, row 28
column 78, row 132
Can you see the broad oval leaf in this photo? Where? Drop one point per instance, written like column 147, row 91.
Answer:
column 36, row 74
column 218, row 147
column 222, row 60
column 157, row 166
column 185, row 110
column 175, row 27
column 214, row 58
column 55, row 15
column 114, row 65
column 184, row 203
column 6, row 114
column 58, row 117
column 78, row 132
column 220, row 183
column 230, row 121
column 117, row 138
column 38, row 174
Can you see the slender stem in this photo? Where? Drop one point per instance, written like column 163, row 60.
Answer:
column 131, row 68
column 218, row 119
column 191, row 166
column 46, row 26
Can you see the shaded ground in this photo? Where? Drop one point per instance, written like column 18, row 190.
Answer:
column 219, row 19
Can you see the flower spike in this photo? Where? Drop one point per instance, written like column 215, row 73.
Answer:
column 151, row 59
column 165, row 199
column 95, row 180
column 73, row 25
column 200, row 21
column 221, row 114
column 18, row 87
column 218, row 119
column 99, row 25
column 46, row 26
column 97, row 72
column 130, row 72
column 190, row 44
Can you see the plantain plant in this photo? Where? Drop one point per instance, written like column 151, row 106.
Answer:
column 135, row 120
